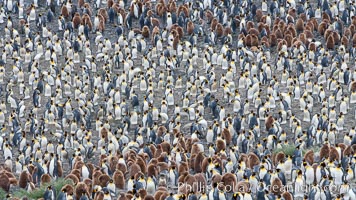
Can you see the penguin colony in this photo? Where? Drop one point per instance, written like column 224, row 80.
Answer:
column 170, row 99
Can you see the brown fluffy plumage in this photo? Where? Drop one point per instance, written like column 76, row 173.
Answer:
column 121, row 167
column 152, row 170
column 200, row 181
column 80, row 188
column 336, row 37
column 195, row 149
column 182, row 177
column 325, row 16
column 160, row 9
column 269, row 122
column 183, row 8
column 220, row 145
column 248, row 40
column 309, row 26
column 277, row 186
column 216, row 179
column 303, row 38
column 230, row 181
column 172, row 6
column 280, row 23
column 140, row 162
column 345, row 41
column 249, row 25
column 104, row 180
column 158, row 194
column 342, row 146
column 104, row 14
column 191, row 161
column 191, row 181
column 4, row 182
column 330, row 42
column 287, row 196
column 352, row 28
column 45, row 179
column 198, row 162
column 69, row 188
column 134, row 169
column 155, row 22
column 205, row 163
column 59, row 168
column 265, row 41
column 353, row 147
column 308, row 34
column 324, row 151
column 184, row 188
column 299, row 26
column 88, row 7
column 303, row 17
column 104, row 134
column 227, row 31
column 259, row 15
column 353, row 86
column 183, row 167
column 254, row 41
column 213, row 23
column 253, row 160
column 348, row 151
column 333, row 154
column 99, row 196
column 309, row 157
column 190, row 28
column 76, row 20
column 87, row 21
column 89, row 184
column 354, row 41
column 159, row 151
column 161, row 130
column 312, row 46
column 260, row 26
column 119, row 179
column 162, row 157
column 278, row 34
column 292, row 12
column 123, row 196
column 142, row 193
column 101, row 26
column 278, row 157
column 315, row 23
column 110, row 3
column 76, row 172
column 72, row 177
column 166, row 147
column 273, row 39
column 23, row 179
column 81, row 3
column 347, row 32
column 113, row 160
column 289, row 39
column 64, row 11
column 161, row 166
column 209, row 16
column 149, row 197
column 253, row 31
column 322, row 28
column 96, row 176
column 243, row 187
column 226, row 135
